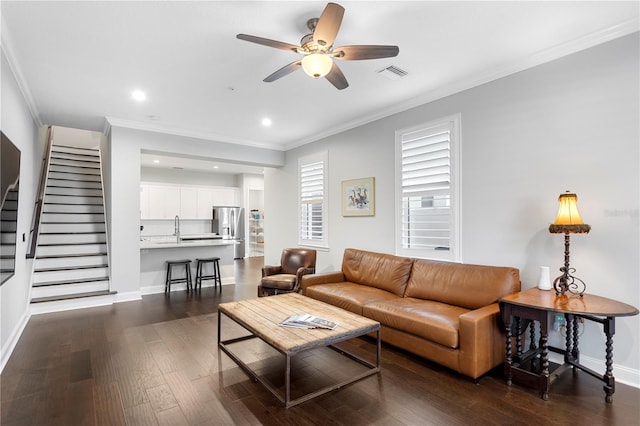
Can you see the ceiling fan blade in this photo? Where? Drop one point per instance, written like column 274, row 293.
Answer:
column 268, row 42
column 354, row 53
column 287, row 69
column 336, row 77
column 328, row 24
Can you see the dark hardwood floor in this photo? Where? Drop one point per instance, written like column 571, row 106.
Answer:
column 156, row 362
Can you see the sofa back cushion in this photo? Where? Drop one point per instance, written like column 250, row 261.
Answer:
column 468, row 286
column 383, row 271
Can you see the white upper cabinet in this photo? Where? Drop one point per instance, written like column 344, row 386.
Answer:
column 165, row 201
column 225, row 197
column 188, row 202
column 204, row 203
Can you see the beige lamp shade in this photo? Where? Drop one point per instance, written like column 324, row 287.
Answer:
column 317, row 65
column 568, row 220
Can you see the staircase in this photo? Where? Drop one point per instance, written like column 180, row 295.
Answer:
column 71, row 260
column 8, row 226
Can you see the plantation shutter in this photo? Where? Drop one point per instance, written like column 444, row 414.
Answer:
column 312, row 202
column 426, row 189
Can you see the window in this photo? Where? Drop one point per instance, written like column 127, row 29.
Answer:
column 427, row 190
column 312, row 184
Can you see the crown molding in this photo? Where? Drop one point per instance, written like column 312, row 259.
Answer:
column 7, row 51
column 176, row 131
column 556, row 52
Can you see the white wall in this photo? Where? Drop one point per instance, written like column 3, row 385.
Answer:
column 571, row 124
column 123, row 190
column 19, row 126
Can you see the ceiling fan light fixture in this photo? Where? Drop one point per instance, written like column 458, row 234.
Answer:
column 317, row 65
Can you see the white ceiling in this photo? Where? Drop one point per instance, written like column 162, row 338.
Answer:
column 78, row 62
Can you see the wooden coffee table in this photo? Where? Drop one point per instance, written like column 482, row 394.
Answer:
column 261, row 317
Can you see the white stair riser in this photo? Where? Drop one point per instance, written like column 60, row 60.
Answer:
column 74, row 176
column 73, row 227
column 54, row 190
column 5, row 275
column 70, row 250
column 59, row 160
column 64, row 262
column 72, row 218
column 61, row 199
column 10, row 205
column 74, row 169
column 6, row 263
column 73, row 208
column 70, row 156
column 73, row 183
column 8, row 226
column 9, row 215
column 71, row 238
column 72, row 150
column 65, row 289
column 8, row 238
column 74, row 274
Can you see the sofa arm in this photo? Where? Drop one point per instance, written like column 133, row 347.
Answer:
column 271, row 270
column 482, row 343
column 326, row 278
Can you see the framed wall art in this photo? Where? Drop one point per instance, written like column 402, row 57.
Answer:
column 359, row 197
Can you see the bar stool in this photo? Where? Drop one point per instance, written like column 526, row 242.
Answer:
column 201, row 276
column 187, row 274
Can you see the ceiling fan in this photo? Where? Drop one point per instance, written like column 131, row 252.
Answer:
column 318, row 51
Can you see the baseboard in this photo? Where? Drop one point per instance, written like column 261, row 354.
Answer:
column 626, row 375
column 8, row 348
column 128, row 297
column 155, row 289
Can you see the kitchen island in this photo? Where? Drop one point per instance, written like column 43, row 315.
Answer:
column 155, row 251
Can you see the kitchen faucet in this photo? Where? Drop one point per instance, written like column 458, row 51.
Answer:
column 176, row 227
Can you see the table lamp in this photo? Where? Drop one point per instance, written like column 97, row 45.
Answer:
column 568, row 221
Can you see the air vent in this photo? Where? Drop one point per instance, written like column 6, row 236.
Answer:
column 392, row 72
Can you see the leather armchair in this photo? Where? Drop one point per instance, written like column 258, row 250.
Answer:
column 286, row 277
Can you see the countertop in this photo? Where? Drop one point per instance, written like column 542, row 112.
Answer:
column 158, row 243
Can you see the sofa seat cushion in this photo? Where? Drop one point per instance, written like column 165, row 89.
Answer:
column 279, row 281
column 434, row 321
column 349, row 296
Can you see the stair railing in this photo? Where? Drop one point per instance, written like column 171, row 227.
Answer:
column 35, row 226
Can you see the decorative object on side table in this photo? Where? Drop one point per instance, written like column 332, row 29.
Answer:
column 358, row 197
column 568, row 221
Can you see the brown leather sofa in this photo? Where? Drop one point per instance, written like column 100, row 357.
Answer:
column 445, row 312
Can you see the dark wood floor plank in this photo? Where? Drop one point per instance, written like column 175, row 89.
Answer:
column 109, row 410
column 141, row 415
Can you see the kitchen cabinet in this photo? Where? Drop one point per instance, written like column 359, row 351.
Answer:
column 165, row 201
column 159, row 201
column 204, row 203
column 225, row 197
column 188, row 203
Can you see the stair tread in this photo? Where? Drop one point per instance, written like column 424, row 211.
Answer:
column 71, row 268
column 76, row 281
column 73, row 296
column 61, row 256
column 73, row 233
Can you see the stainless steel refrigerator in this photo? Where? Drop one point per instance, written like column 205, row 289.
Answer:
column 228, row 222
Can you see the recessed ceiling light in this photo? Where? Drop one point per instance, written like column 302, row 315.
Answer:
column 216, row 167
column 266, row 122
column 138, row 95
column 156, row 161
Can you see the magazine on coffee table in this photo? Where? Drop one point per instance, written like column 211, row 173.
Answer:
column 307, row 321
